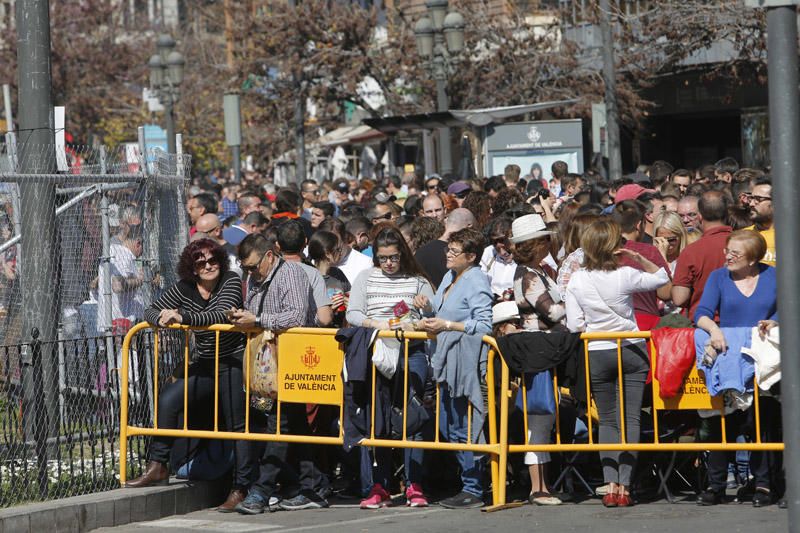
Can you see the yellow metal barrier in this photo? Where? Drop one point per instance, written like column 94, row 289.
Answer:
column 497, row 446
column 295, row 341
column 697, row 399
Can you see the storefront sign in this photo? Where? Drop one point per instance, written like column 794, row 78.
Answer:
column 534, row 144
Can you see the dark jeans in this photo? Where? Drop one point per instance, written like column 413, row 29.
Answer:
column 201, row 391
column 764, row 466
column 273, row 459
column 604, row 370
column 382, row 465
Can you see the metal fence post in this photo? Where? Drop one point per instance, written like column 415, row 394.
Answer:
column 34, row 409
column 784, row 128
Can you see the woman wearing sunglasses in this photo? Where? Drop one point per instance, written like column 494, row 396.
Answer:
column 206, row 290
column 377, row 295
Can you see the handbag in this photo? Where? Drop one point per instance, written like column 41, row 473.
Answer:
column 416, row 413
column 539, row 395
column 264, row 356
column 264, row 366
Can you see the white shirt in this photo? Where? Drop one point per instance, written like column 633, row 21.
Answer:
column 603, row 301
column 500, row 274
column 354, row 264
column 128, row 304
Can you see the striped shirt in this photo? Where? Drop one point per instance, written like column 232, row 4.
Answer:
column 288, row 301
column 197, row 311
column 374, row 295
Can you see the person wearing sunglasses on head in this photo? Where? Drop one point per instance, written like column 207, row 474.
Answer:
column 206, row 290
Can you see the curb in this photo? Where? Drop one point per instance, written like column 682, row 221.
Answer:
column 112, row 508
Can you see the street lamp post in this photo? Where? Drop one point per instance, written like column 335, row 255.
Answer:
column 440, row 38
column 166, row 75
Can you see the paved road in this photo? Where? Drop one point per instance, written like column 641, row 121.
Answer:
column 587, row 517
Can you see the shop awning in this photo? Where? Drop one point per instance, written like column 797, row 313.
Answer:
column 458, row 117
column 348, row 135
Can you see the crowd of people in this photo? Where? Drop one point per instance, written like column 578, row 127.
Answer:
column 509, row 255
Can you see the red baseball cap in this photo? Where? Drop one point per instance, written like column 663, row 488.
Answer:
column 631, row 191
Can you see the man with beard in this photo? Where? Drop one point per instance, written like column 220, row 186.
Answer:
column 761, row 213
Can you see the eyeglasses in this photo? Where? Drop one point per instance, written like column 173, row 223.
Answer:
column 201, row 264
column 453, row 252
column 394, row 258
column 385, row 216
column 758, row 199
column 252, row 268
column 733, row 254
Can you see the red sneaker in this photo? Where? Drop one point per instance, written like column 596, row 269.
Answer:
column 415, row 496
column 378, row 497
column 610, row 500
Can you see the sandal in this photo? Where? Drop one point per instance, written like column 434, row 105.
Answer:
column 543, row 498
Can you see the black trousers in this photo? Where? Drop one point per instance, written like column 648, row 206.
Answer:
column 274, row 463
column 764, row 466
column 200, row 389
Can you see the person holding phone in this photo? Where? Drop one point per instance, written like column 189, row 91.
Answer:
column 392, row 284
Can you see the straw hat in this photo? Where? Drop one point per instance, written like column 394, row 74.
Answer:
column 528, row 227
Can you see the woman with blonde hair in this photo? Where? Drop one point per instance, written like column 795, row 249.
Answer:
column 671, row 236
column 600, row 298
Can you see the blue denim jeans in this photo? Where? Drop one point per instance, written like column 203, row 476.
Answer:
column 453, row 424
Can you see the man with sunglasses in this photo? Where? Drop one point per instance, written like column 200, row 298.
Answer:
column 279, row 297
column 459, row 190
column 432, row 185
column 309, row 190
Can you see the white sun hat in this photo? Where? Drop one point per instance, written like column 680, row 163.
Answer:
column 528, row 227
column 505, row 311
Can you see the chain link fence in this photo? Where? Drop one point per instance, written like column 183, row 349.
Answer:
column 117, row 227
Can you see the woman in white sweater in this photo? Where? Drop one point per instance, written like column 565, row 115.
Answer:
column 394, row 282
column 600, row 298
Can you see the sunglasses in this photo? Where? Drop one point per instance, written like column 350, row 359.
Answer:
column 252, row 268
column 206, row 263
column 461, row 195
column 433, row 187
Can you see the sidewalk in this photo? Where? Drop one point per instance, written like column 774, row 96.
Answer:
column 112, row 508
column 587, row 517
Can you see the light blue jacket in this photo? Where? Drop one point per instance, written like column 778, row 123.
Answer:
column 459, row 359
column 730, row 369
column 470, row 301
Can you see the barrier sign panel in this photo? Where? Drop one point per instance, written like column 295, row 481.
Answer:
column 693, row 394
column 309, row 369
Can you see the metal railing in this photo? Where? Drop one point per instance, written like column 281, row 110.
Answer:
column 498, row 406
column 495, row 447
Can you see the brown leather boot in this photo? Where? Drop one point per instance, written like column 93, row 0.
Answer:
column 235, row 497
column 155, row 474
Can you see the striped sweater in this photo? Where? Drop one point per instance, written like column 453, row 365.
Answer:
column 196, row 311
column 374, row 295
